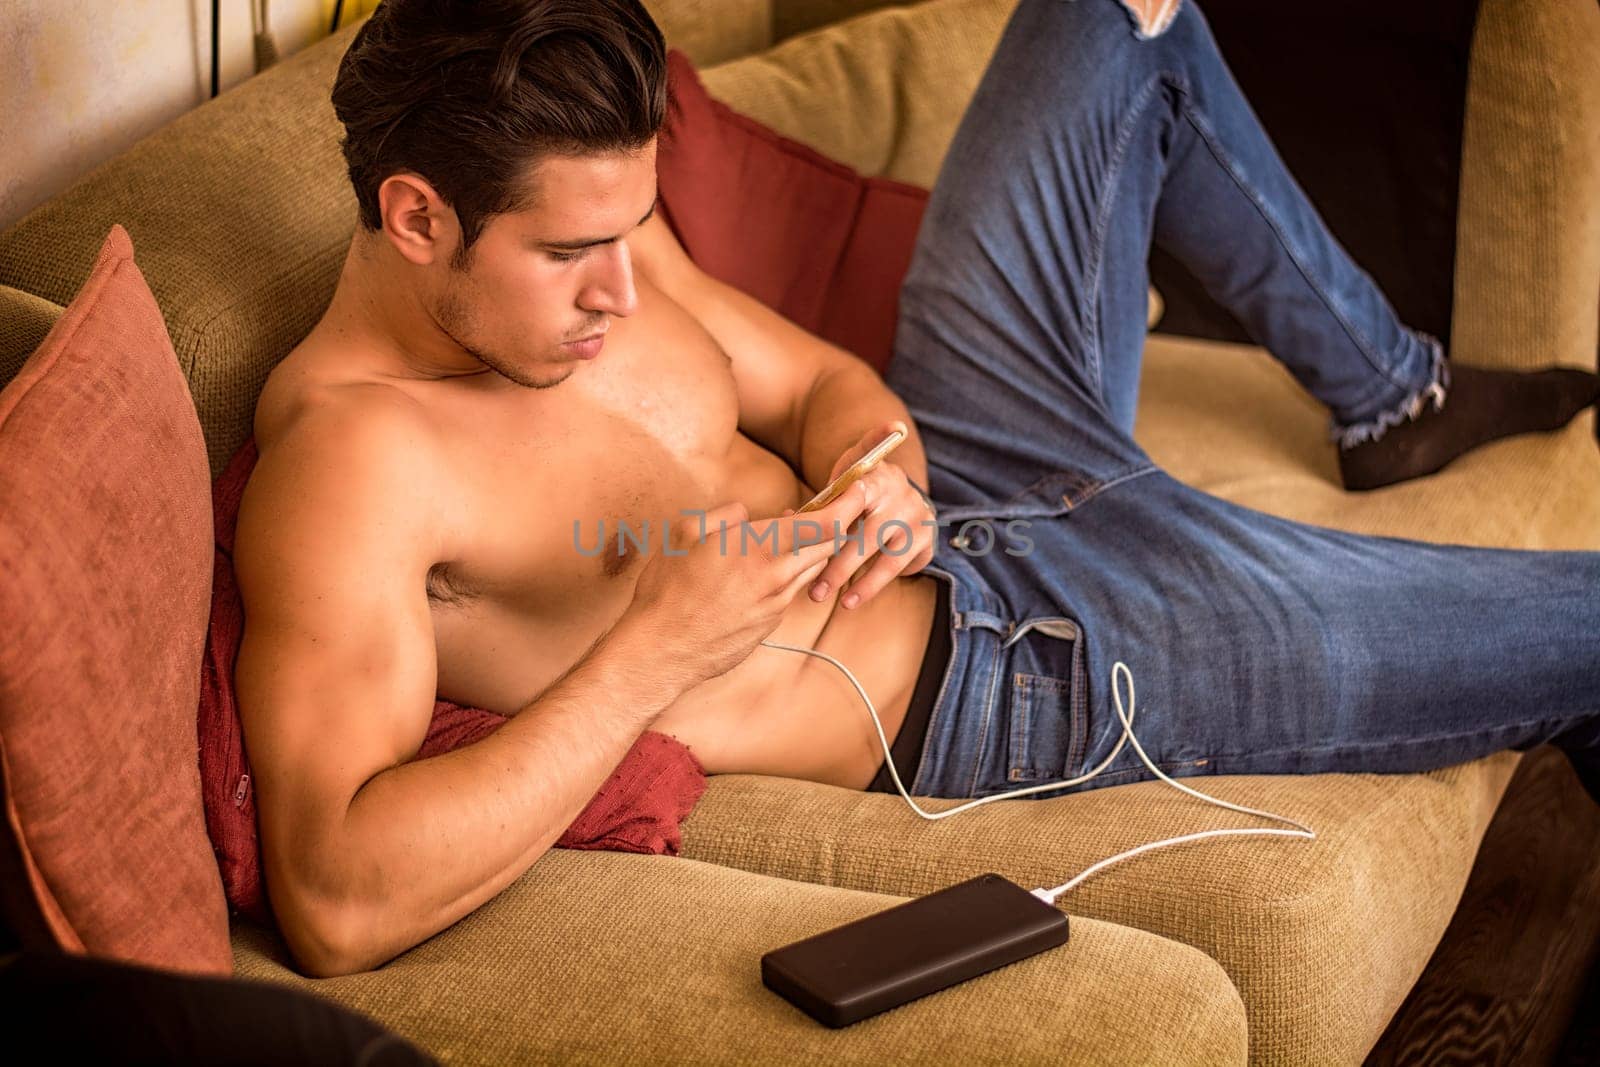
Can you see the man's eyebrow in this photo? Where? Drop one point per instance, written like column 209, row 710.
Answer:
column 568, row 246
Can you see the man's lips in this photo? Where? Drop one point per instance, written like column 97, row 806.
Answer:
column 586, row 347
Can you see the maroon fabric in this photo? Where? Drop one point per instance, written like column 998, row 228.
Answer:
column 638, row 809
column 809, row 237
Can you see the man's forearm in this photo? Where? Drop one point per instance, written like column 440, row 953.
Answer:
column 425, row 843
column 846, row 403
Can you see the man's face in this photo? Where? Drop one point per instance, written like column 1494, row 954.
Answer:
column 516, row 300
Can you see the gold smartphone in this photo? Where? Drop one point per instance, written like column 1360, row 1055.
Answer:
column 850, row 474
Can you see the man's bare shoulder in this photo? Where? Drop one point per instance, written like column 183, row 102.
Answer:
column 339, row 463
column 309, row 391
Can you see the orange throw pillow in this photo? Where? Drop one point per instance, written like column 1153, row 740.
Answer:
column 105, row 588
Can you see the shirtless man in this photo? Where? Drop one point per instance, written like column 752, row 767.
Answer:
column 409, row 529
column 518, row 350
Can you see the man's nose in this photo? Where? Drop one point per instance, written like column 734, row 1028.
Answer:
column 610, row 286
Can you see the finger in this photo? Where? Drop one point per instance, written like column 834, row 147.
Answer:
column 854, row 552
column 919, row 561
column 884, row 528
column 816, row 530
column 869, row 437
column 883, row 570
column 845, row 508
column 805, row 577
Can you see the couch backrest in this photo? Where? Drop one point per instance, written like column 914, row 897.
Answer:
column 24, row 320
column 240, row 216
column 240, row 213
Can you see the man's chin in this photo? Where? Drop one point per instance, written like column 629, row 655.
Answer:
column 540, row 376
column 549, row 379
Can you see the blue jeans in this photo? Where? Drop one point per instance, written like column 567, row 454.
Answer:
column 1257, row 644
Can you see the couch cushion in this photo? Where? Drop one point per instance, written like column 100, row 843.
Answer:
column 611, row 958
column 1266, row 447
column 24, row 320
column 1323, row 939
column 881, row 93
column 105, row 553
column 713, row 31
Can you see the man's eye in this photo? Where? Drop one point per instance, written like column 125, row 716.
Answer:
column 566, row 257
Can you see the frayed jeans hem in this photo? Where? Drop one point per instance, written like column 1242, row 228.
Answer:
column 1347, row 436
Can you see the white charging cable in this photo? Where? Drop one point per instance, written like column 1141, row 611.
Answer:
column 1049, row 896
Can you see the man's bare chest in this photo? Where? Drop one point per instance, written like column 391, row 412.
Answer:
column 558, row 495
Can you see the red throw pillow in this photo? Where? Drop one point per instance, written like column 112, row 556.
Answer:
column 105, row 583
column 807, row 236
column 638, row 809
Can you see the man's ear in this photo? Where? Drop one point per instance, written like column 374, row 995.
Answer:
column 416, row 220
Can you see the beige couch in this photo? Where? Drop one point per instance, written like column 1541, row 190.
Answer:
column 1215, row 953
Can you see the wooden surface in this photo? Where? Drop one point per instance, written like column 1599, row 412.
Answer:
column 1514, row 978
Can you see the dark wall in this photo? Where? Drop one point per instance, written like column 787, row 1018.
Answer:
column 1364, row 101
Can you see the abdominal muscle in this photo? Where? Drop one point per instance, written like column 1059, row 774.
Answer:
column 785, row 713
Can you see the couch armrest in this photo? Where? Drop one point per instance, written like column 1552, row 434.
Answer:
column 604, row 957
column 1323, row 939
column 1527, row 286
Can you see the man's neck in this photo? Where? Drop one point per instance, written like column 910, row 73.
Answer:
column 376, row 309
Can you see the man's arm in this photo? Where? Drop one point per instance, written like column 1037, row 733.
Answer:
column 805, row 399
column 364, row 854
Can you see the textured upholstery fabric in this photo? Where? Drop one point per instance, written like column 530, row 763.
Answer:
column 235, row 309
column 1533, row 491
column 608, row 958
column 1528, row 229
column 105, row 580
column 792, row 17
column 711, row 31
column 882, row 92
column 1323, row 939
column 24, row 320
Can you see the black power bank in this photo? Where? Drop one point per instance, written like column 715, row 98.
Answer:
column 884, row 960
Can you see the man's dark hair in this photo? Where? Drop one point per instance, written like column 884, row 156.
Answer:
column 469, row 94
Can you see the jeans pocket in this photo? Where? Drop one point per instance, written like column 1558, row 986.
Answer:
column 1047, row 709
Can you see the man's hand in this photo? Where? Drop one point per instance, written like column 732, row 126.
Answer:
column 896, row 531
column 727, row 581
